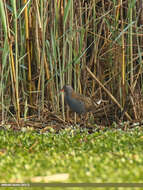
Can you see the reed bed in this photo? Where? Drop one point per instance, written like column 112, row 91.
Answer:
column 95, row 46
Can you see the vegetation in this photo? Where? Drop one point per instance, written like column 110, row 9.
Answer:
column 105, row 156
column 95, row 46
column 45, row 44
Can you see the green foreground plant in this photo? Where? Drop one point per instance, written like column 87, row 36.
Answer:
column 111, row 156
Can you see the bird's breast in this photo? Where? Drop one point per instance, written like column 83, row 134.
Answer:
column 75, row 105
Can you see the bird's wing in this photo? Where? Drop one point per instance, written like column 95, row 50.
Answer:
column 86, row 100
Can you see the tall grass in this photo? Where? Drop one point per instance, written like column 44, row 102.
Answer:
column 46, row 44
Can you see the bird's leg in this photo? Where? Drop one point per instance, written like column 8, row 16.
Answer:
column 67, row 113
column 75, row 119
column 68, row 117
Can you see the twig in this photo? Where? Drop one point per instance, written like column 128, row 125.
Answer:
column 107, row 91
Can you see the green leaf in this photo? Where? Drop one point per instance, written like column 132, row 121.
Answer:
column 66, row 12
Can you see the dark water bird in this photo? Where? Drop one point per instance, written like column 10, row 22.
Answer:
column 77, row 102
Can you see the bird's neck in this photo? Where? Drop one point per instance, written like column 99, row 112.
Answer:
column 69, row 95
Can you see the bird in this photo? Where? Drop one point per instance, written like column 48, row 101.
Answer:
column 77, row 102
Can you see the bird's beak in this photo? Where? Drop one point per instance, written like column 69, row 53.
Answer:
column 62, row 90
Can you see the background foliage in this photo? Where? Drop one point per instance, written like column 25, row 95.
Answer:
column 45, row 44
